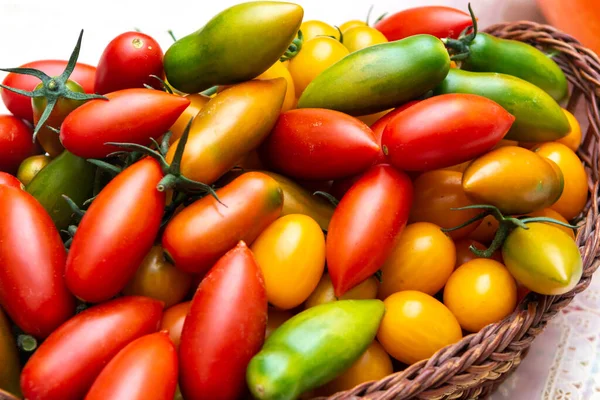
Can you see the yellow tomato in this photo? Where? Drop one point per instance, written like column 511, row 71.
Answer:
column 351, row 24
column 506, row 143
column 324, row 292
column 312, row 29
column 479, row 293
column 370, row 119
column 275, row 318
column 197, row 101
column 373, row 365
column 415, row 326
column 359, row 37
column 573, row 139
column 574, row 195
column 277, row 70
column 315, row 57
column 550, row 213
column 291, row 255
column 486, row 231
column 422, row 260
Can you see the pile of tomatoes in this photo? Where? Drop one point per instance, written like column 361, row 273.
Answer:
column 276, row 208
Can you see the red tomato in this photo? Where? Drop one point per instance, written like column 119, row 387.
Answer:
column 364, row 226
column 315, row 143
column 173, row 320
column 443, row 131
column 9, row 180
column 438, row 21
column 127, row 62
column 381, row 123
column 145, row 369
column 130, row 115
column 20, row 105
column 16, row 143
column 66, row 364
column 116, row 233
column 224, row 329
column 32, row 260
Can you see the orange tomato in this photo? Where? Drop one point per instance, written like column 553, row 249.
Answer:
column 550, row 213
column 173, row 320
column 324, row 292
column 313, row 28
column 479, row 293
column 464, row 253
column 486, row 231
column 360, row 37
column 278, row 70
column 197, row 101
column 415, row 326
column 275, row 318
column 458, row 167
column 422, row 260
column 573, row 139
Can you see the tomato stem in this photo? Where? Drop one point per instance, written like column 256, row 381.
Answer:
column 293, row 49
column 460, row 47
column 549, row 220
column 26, row 343
column 111, row 169
column 74, row 207
column 170, row 32
column 328, row 196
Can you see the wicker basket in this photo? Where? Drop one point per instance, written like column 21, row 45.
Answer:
column 474, row 367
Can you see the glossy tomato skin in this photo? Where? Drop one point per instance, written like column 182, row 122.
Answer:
column 359, row 37
column 443, row 131
column 379, row 126
column 32, row 255
column 61, row 370
column 438, row 21
column 15, row 143
column 20, row 105
column 204, row 231
column 145, row 369
column 316, row 143
column 130, row 115
column 225, row 328
column 127, row 62
column 9, row 180
column 173, row 319
column 363, row 230
column 116, row 233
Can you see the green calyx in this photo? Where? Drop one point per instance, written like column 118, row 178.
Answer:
column 367, row 20
column 459, row 48
column 53, row 88
column 507, row 225
column 294, row 48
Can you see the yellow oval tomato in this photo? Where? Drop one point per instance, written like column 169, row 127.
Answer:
column 30, row 167
column 573, row 139
column 277, row 70
column 324, row 292
column 275, row 318
column 373, row 365
column 197, row 101
column 435, row 194
column 359, row 37
column 291, row 256
column 486, row 231
column 313, row 28
column 550, row 213
column 464, row 253
column 574, row 195
column 351, row 24
column 415, row 326
column 479, row 293
column 422, row 260
column 316, row 56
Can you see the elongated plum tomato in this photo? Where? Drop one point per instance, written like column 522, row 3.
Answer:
column 363, row 230
column 127, row 62
column 315, row 143
column 379, row 126
column 225, row 328
column 443, row 131
column 32, row 255
column 204, row 231
column 15, row 143
column 116, row 233
column 173, row 320
column 145, row 369
column 59, row 370
column 20, row 105
column 438, row 21
column 9, row 180
column 197, row 102
column 129, row 115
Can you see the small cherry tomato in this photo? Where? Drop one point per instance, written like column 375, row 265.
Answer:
column 197, row 102
column 359, row 37
column 277, row 70
column 479, row 293
column 415, row 326
column 573, row 138
column 9, row 180
column 275, row 319
column 16, row 143
column 464, row 253
column 313, row 28
column 324, row 292
column 550, row 213
column 30, row 167
column 173, row 320
column 422, row 260
column 351, row 24
column 486, row 230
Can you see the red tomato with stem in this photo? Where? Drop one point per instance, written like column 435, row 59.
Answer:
column 320, row 144
column 32, row 260
column 20, row 105
column 127, row 62
column 225, row 328
column 438, row 21
column 381, row 123
column 173, row 320
column 16, row 142
column 362, row 232
column 9, row 180
column 116, row 233
column 145, row 369
column 66, row 364
column 443, row 131
column 129, row 115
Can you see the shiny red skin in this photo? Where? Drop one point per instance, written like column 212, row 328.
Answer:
column 443, row 131
column 9, row 180
column 127, row 62
column 65, row 366
column 116, row 233
column 319, row 144
column 224, row 329
column 379, row 125
column 438, row 21
column 145, row 369
column 16, row 142
column 20, row 105
column 365, row 224
column 130, row 115
column 32, row 260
